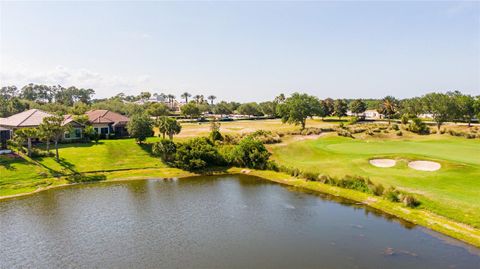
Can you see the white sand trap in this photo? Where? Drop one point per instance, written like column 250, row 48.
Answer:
column 424, row 165
column 383, row 162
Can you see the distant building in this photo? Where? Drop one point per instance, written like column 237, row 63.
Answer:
column 370, row 114
column 173, row 106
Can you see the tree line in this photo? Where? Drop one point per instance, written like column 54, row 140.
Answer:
column 442, row 107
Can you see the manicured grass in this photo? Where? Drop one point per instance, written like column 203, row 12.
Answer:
column 453, row 191
column 25, row 175
column 106, row 155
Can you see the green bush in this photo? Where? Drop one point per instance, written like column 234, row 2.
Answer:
column 166, row 149
column 266, row 137
column 410, row 201
column 231, row 139
column 196, row 154
column 395, row 127
column 376, row 189
column 250, row 153
column 418, row 126
column 312, row 176
column 399, row 133
column 392, row 195
column 311, row 131
column 345, row 133
column 354, row 120
column 215, row 135
column 404, row 119
column 354, row 183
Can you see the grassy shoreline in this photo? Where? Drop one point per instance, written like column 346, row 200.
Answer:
column 420, row 217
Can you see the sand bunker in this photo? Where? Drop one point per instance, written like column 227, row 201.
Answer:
column 424, row 165
column 383, row 162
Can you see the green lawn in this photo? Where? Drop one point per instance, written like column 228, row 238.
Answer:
column 452, row 191
column 106, row 155
column 19, row 175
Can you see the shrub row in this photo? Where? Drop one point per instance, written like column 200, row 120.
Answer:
column 357, row 183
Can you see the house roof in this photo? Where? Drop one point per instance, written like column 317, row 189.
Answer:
column 106, row 116
column 31, row 118
column 28, row 118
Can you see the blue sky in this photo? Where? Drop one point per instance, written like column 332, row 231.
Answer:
column 246, row 51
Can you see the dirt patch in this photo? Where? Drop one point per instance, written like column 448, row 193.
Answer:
column 424, row 165
column 384, row 163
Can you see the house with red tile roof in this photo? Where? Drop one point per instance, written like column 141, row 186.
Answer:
column 32, row 118
column 108, row 123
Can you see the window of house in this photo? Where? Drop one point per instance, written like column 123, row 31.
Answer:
column 67, row 135
column 78, row 132
column 104, row 131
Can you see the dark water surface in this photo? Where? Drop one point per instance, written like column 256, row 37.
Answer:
column 211, row 222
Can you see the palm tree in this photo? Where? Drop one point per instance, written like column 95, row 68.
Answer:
column 388, row 107
column 171, row 98
column 197, row 98
column 211, row 98
column 185, row 95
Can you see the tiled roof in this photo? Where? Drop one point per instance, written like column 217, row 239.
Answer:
column 28, row 118
column 105, row 116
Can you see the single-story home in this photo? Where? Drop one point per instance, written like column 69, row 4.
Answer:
column 33, row 118
column 108, row 123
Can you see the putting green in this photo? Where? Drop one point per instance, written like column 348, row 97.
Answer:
column 452, row 191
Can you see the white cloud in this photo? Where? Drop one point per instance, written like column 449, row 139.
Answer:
column 104, row 85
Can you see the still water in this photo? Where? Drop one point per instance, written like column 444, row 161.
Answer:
column 212, row 222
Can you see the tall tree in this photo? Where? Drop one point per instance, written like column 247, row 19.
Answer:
column 190, row 110
column 250, row 109
column 464, row 106
column 280, row 98
column 197, row 98
column 211, row 98
column 358, row 106
column 140, row 127
column 329, row 106
column 185, row 96
column 340, row 108
column 268, row 108
column 411, row 107
column 476, row 106
column 53, row 126
column 145, row 96
column 297, row 108
column 388, row 107
column 168, row 126
column 440, row 105
column 157, row 110
column 222, row 108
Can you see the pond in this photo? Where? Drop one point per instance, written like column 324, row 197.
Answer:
column 234, row 221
